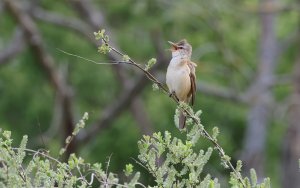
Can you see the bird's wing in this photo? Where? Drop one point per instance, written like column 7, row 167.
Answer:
column 192, row 93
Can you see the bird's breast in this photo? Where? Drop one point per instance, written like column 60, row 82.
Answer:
column 178, row 79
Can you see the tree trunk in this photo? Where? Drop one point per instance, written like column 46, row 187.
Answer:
column 260, row 94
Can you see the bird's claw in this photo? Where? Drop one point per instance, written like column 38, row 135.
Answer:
column 173, row 94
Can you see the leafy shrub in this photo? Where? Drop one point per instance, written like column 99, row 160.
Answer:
column 171, row 161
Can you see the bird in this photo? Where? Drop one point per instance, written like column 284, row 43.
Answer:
column 180, row 76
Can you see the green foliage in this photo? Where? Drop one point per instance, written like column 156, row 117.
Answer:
column 155, row 87
column 100, row 34
column 42, row 170
column 104, row 48
column 215, row 133
column 171, row 162
column 128, row 169
column 234, row 182
column 174, row 163
column 150, row 63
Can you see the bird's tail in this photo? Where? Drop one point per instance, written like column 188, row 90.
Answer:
column 182, row 119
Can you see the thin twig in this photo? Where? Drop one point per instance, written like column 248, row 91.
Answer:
column 152, row 171
column 84, row 178
column 95, row 62
column 44, row 155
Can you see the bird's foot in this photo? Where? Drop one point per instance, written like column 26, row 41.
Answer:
column 173, row 94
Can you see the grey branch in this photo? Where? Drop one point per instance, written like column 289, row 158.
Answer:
column 221, row 92
column 108, row 114
column 63, row 21
column 14, row 48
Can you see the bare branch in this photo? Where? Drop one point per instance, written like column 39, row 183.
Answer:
column 63, row 21
column 46, row 61
column 221, row 92
column 113, row 110
column 14, row 48
column 94, row 17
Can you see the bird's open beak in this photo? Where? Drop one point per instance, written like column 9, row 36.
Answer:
column 173, row 46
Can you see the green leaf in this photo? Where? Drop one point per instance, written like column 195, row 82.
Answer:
column 7, row 134
column 253, row 177
column 104, row 49
column 62, row 151
column 155, row 87
column 100, row 34
column 150, row 64
column 125, row 58
column 215, row 133
column 128, row 169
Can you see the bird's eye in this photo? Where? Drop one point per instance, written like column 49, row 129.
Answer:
column 180, row 47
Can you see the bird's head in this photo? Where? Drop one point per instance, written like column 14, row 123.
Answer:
column 182, row 48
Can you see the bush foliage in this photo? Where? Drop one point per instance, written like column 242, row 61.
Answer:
column 171, row 161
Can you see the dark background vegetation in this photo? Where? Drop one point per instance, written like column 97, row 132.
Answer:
column 248, row 77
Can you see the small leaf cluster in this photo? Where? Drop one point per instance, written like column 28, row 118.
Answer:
column 150, row 63
column 155, row 87
column 100, row 35
column 80, row 125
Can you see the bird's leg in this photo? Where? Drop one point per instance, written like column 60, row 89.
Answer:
column 173, row 94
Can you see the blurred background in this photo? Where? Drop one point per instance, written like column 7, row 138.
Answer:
column 248, row 77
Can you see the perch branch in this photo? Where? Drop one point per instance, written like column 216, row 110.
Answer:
column 14, row 48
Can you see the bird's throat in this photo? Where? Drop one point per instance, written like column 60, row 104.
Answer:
column 176, row 54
